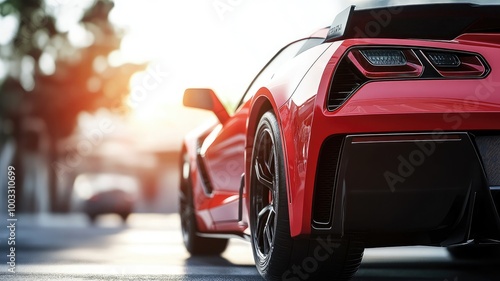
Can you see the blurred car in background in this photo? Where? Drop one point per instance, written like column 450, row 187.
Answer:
column 114, row 201
column 105, row 193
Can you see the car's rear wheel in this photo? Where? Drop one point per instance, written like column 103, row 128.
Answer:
column 194, row 244
column 92, row 218
column 124, row 216
column 277, row 255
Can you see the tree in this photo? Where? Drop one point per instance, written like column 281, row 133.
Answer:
column 57, row 71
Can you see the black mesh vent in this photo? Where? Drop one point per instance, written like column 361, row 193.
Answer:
column 346, row 81
column 489, row 149
column 325, row 181
column 204, row 175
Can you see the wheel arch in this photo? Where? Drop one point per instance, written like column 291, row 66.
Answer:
column 262, row 102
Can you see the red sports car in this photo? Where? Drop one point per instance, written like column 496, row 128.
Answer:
column 382, row 130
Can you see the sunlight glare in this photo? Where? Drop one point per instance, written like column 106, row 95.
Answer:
column 199, row 47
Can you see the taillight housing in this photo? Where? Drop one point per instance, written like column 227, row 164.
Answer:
column 386, row 63
column 456, row 65
column 361, row 65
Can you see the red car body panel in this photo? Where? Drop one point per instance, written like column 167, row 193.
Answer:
column 383, row 107
column 298, row 97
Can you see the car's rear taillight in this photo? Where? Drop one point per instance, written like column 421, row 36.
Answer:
column 456, row 65
column 386, row 63
column 381, row 57
column 362, row 65
column 443, row 60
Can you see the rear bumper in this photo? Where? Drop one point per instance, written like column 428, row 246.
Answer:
column 401, row 189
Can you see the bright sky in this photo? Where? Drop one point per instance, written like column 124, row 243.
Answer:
column 220, row 44
column 207, row 42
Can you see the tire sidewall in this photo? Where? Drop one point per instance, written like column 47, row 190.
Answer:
column 187, row 224
column 272, row 263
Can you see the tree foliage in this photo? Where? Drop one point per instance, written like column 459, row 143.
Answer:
column 57, row 61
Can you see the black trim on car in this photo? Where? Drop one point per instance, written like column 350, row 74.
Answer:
column 444, row 21
column 407, row 188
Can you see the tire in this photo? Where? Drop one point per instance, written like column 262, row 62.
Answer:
column 92, row 218
column 277, row 255
column 474, row 251
column 124, row 216
column 194, row 244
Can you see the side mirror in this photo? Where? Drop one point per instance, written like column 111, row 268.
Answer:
column 205, row 99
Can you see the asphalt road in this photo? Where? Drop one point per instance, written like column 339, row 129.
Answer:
column 149, row 247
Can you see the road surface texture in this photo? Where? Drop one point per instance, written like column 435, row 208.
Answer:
column 149, row 247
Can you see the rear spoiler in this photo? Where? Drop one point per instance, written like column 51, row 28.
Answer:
column 430, row 21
